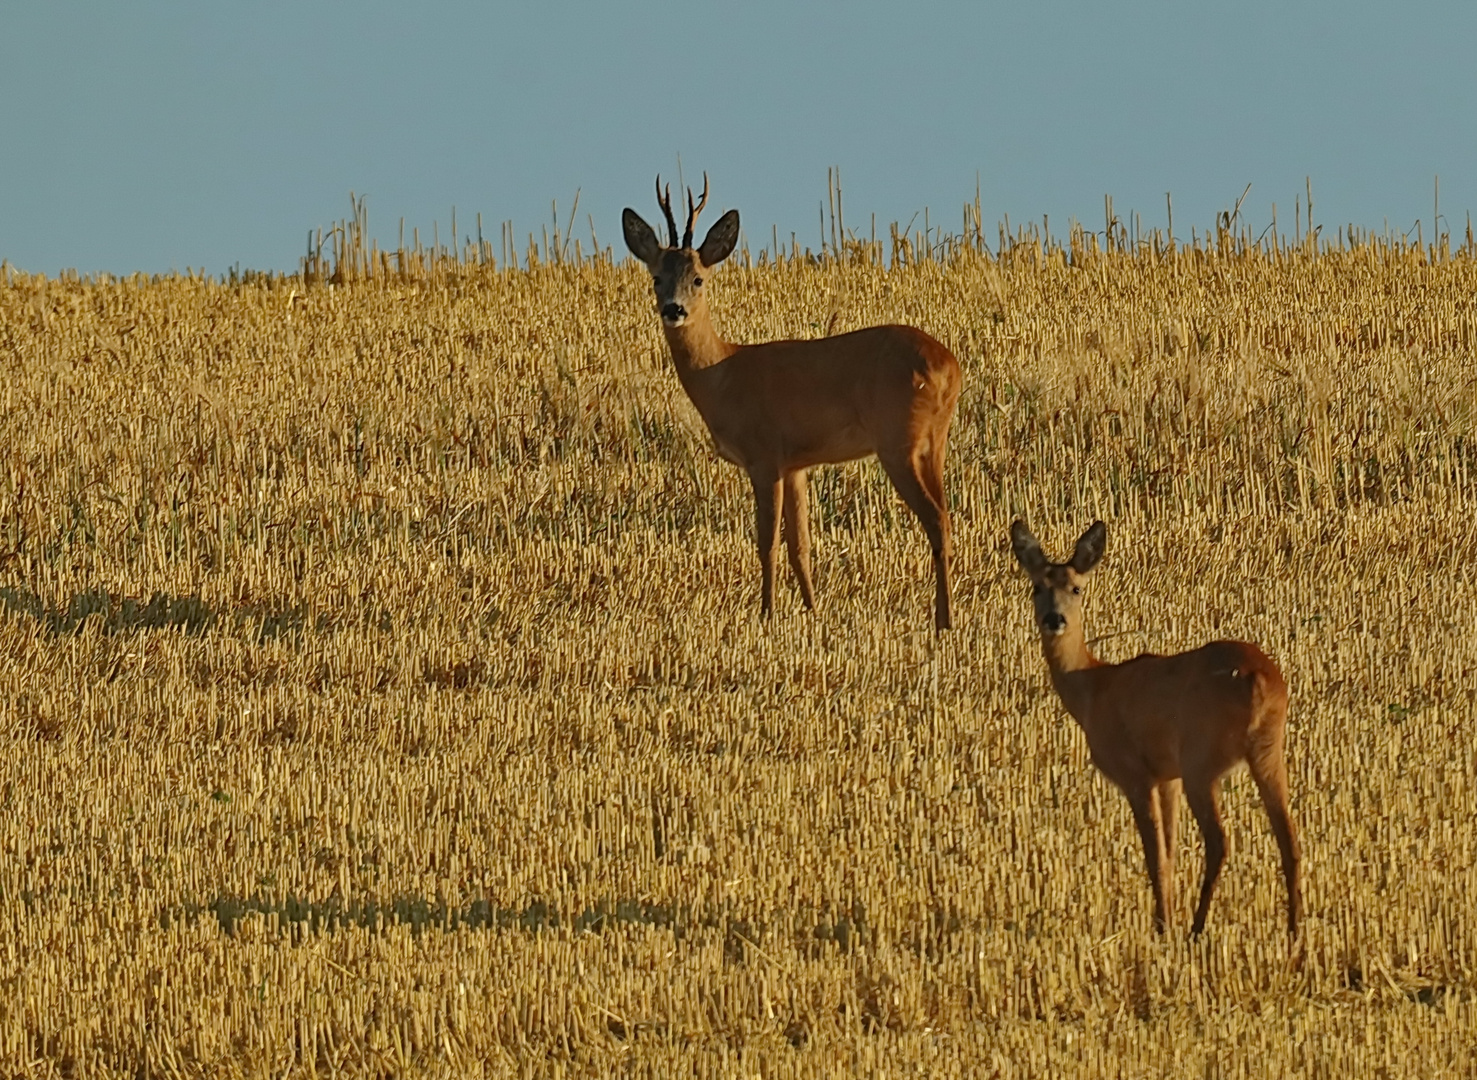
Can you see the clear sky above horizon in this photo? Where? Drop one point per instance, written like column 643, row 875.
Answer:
column 155, row 136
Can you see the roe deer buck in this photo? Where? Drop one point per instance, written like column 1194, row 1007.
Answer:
column 1155, row 721
column 777, row 408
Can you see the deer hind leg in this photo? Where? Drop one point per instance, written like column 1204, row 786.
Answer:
column 1146, row 815
column 767, row 498
column 1269, row 770
column 1200, row 793
column 933, row 482
column 933, row 472
column 1167, row 794
column 797, row 532
column 920, row 483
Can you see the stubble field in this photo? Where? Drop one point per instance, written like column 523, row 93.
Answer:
column 384, row 693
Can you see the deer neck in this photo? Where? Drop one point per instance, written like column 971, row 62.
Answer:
column 1071, row 665
column 695, row 345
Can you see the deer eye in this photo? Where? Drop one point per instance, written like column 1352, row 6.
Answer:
column 697, row 283
column 1076, row 590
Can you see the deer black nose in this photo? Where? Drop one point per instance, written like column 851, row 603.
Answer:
column 673, row 311
column 1054, row 622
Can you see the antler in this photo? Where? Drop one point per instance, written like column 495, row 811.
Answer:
column 694, row 211
column 665, row 202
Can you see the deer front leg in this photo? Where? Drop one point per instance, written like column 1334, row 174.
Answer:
column 1200, row 793
column 1167, row 795
column 1146, row 817
column 797, row 533
column 768, row 494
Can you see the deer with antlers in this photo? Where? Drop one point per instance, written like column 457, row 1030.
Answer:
column 1157, row 723
column 777, row 408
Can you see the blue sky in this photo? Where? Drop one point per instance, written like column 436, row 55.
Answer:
column 150, row 136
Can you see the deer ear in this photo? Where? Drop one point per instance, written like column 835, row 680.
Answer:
column 1027, row 550
column 1089, row 550
column 639, row 237
column 718, row 244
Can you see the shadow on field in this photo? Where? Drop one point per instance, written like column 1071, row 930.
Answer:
column 124, row 614
column 816, row 931
column 846, row 929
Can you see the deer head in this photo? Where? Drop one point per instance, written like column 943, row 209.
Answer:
column 677, row 270
column 1056, row 588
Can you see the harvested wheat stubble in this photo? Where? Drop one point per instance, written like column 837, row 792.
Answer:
column 384, row 690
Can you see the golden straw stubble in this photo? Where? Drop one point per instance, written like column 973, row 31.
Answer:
column 386, row 691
